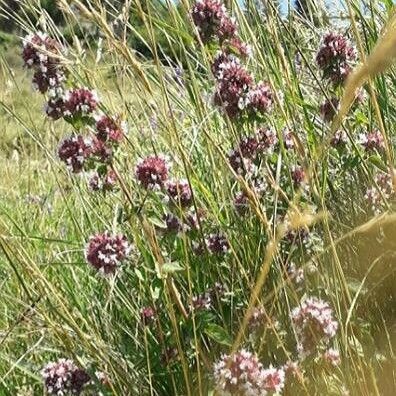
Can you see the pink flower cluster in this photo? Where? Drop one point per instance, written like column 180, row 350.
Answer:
column 78, row 106
column 148, row 315
column 179, row 193
column 339, row 139
column 236, row 94
column 106, row 252
column 42, row 53
column 332, row 357
column 110, row 129
column 212, row 20
column 204, row 301
column 64, row 377
column 74, row 151
column 314, row 324
column 242, row 374
column 372, row 141
column 152, row 172
column 217, row 244
column 103, row 180
column 233, row 84
column 384, row 190
column 251, row 148
column 259, row 99
column 328, row 109
column 334, row 57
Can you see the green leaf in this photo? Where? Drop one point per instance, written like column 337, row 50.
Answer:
column 172, row 267
column 139, row 275
column 377, row 161
column 218, row 334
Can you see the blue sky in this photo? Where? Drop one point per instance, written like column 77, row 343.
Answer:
column 334, row 5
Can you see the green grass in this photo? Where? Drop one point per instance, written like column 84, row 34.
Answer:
column 53, row 304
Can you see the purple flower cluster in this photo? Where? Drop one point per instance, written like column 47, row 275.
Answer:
column 152, row 172
column 243, row 374
column 314, row 324
column 339, row 139
column 79, row 107
column 372, row 141
column 148, row 315
column 80, row 103
column 42, row 53
column 233, row 84
column 179, row 192
column 241, row 203
column 298, row 175
column 102, row 181
column 334, row 57
column 106, row 252
column 260, row 99
column 332, row 357
column 384, row 190
column 242, row 157
column 173, row 224
column 235, row 92
column 212, row 20
column 74, row 152
column 217, row 244
column 328, row 109
column 204, row 301
column 110, row 129
column 64, row 377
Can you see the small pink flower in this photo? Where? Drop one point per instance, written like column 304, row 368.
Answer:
column 237, row 47
column 259, row 99
column 372, row 141
column 239, row 374
column 53, row 78
column 339, row 139
column 288, row 139
column 314, row 324
column 80, row 102
column 267, row 139
column 218, row 244
column 233, row 82
column 152, row 171
column 64, row 377
column 103, row 182
column 106, row 252
column 332, row 357
column 273, row 379
column 292, row 371
column 148, row 315
column 111, row 129
column 101, row 150
column 241, row 203
column 179, row 192
column 74, row 151
column 202, row 301
column 39, row 51
column 212, row 21
column 239, row 164
column 173, row 223
column 257, row 318
column 55, row 108
column 329, row 108
column 334, row 57
column 298, row 175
